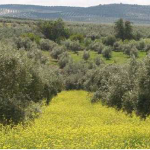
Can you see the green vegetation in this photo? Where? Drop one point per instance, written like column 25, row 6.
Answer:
column 123, row 29
column 70, row 55
column 38, row 60
column 117, row 57
column 54, row 30
column 72, row 122
column 25, row 81
column 50, row 59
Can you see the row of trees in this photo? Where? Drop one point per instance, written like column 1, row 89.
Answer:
column 26, row 77
column 26, row 80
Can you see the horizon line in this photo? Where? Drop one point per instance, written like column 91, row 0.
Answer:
column 75, row 6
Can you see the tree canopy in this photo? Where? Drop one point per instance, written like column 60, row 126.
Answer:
column 123, row 29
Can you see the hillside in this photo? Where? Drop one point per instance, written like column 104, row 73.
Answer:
column 97, row 14
column 71, row 121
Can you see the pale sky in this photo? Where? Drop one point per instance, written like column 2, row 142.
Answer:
column 82, row 3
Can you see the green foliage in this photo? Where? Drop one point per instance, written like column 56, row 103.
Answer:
column 109, row 41
column 98, row 61
column 141, row 45
column 117, row 47
column 147, row 48
column 142, row 102
column 72, row 45
column 126, row 49
column 27, row 76
column 47, row 45
column 63, row 60
column 86, row 55
column 91, row 65
column 130, row 50
column 77, row 37
column 128, row 30
column 117, row 57
column 137, row 36
column 134, row 52
column 23, row 83
column 96, row 46
column 119, row 28
column 54, row 30
column 107, row 52
column 123, row 87
column 87, row 41
column 124, row 30
column 25, row 43
column 74, row 75
column 36, row 55
column 32, row 37
column 58, row 50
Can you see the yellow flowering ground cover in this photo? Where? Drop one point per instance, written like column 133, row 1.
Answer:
column 71, row 121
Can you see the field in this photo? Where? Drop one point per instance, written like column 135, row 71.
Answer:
column 117, row 57
column 71, row 121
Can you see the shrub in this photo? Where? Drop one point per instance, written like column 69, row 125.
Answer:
column 91, row 65
column 137, row 36
column 75, row 46
column 117, row 47
column 74, row 75
column 93, row 36
column 86, row 55
column 63, row 60
column 87, row 41
column 123, row 87
column 142, row 102
column 23, row 83
column 32, row 37
column 77, row 37
column 126, row 49
column 107, row 52
column 109, row 41
column 147, row 47
column 130, row 50
column 54, row 30
column 98, row 61
column 36, row 55
column 47, row 45
column 134, row 52
column 111, row 86
column 66, row 43
column 96, row 46
column 57, row 51
column 141, row 46
column 25, row 43
column 72, row 45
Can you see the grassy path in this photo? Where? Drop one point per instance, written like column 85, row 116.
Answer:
column 71, row 121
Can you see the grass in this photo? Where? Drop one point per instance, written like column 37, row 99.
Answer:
column 117, row 57
column 51, row 61
column 71, row 121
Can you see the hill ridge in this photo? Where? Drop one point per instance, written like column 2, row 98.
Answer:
column 107, row 13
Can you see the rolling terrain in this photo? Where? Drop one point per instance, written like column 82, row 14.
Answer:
column 97, row 14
